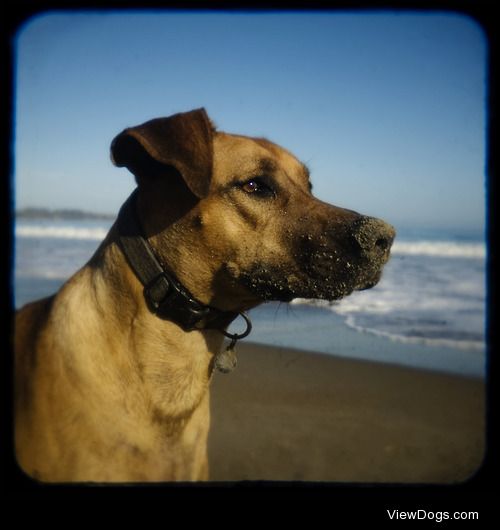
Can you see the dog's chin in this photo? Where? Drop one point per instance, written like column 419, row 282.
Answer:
column 281, row 285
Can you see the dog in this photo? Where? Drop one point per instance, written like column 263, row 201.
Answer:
column 112, row 373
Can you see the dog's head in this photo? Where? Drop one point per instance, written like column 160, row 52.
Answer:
column 234, row 217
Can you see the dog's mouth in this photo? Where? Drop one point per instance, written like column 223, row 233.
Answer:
column 323, row 270
column 282, row 284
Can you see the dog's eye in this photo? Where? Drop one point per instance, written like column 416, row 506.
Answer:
column 259, row 187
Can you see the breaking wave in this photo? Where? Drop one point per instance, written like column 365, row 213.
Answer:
column 443, row 249
column 61, row 232
column 450, row 249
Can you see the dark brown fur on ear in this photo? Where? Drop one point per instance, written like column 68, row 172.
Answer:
column 183, row 141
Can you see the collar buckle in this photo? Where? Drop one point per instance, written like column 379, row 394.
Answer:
column 157, row 291
column 167, row 299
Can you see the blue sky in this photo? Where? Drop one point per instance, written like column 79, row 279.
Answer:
column 387, row 110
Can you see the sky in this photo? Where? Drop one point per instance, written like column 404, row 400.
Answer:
column 388, row 110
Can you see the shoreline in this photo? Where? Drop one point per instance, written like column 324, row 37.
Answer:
column 315, row 328
column 293, row 415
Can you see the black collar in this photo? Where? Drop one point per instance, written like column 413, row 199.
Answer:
column 164, row 294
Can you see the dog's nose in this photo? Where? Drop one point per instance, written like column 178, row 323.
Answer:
column 373, row 236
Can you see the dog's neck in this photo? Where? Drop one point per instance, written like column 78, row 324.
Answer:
column 165, row 296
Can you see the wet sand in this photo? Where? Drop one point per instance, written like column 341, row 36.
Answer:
column 294, row 415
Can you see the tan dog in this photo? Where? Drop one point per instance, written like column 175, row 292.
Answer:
column 112, row 376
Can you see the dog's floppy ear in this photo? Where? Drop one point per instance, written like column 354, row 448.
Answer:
column 183, row 141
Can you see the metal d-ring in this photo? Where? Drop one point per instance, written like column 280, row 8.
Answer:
column 237, row 336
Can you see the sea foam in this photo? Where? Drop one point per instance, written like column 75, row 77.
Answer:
column 441, row 249
column 450, row 249
column 61, row 232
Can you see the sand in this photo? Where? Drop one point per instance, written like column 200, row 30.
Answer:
column 291, row 415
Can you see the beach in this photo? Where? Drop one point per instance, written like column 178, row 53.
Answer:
column 293, row 415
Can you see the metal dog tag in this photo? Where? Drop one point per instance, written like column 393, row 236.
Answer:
column 226, row 360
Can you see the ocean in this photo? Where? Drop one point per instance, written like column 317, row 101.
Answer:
column 428, row 310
